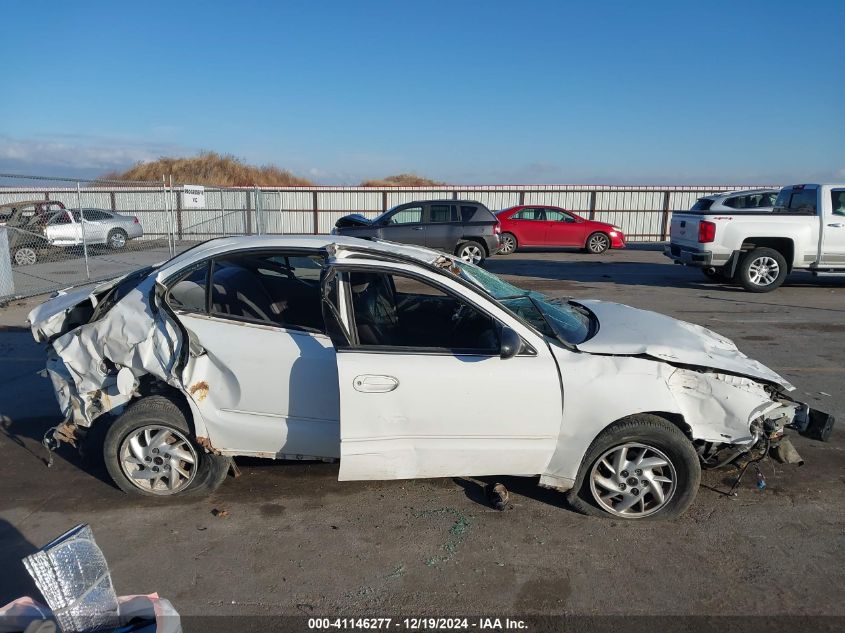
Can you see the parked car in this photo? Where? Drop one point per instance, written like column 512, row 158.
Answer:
column 33, row 235
column 805, row 230
column 754, row 200
column 532, row 225
column 102, row 227
column 28, row 208
column 465, row 228
column 404, row 363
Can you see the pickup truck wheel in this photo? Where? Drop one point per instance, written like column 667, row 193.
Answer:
column 642, row 467
column 762, row 270
column 149, row 450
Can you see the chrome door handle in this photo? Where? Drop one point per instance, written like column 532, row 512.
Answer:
column 838, row 225
column 368, row 383
column 417, row 228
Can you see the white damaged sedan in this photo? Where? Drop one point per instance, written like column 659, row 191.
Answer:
column 403, row 363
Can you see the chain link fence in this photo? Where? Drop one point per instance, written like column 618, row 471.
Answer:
column 59, row 232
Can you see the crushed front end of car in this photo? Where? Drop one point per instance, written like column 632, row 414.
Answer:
column 102, row 344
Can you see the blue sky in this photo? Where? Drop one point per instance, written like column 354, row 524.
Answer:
column 466, row 92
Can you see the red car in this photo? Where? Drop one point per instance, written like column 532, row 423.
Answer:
column 527, row 225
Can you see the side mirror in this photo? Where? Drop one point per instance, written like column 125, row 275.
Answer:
column 511, row 343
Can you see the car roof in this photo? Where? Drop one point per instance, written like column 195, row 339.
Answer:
column 440, row 201
column 222, row 245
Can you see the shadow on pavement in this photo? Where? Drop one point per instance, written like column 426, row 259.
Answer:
column 15, row 581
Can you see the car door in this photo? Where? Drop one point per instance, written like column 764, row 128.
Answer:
column 96, row 225
column 406, row 225
column 423, row 389
column 833, row 231
column 261, row 368
column 441, row 220
column 62, row 228
column 563, row 229
column 530, row 226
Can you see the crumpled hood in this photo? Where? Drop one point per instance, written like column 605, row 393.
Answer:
column 628, row 331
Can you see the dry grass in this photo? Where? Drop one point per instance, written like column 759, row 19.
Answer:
column 402, row 180
column 211, row 168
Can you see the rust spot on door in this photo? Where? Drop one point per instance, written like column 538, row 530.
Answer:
column 199, row 390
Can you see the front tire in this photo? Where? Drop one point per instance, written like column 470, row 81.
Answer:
column 642, row 467
column 597, row 243
column 150, row 450
column 471, row 252
column 508, row 245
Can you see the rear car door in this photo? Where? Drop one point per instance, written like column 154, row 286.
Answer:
column 405, row 225
column 423, row 389
column 833, row 231
column 563, row 229
column 530, row 225
column 261, row 368
column 442, row 221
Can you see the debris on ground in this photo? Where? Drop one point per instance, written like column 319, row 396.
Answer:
column 219, row 513
column 498, row 496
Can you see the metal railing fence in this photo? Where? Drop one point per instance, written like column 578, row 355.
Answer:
column 57, row 253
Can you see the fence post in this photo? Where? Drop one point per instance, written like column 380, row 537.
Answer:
column 521, row 198
column 592, row 205
column 248, row 213
column 316, row 210
column 178, row 214
column 222, row 214
column 113, row 199
column 165, row 198
column 82, row 229
column 383, row 201
column 664, row 229
column 259, row 217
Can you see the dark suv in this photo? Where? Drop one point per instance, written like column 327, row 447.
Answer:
column 463, row 227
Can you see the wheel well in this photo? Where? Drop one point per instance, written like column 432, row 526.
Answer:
column 477, row 240
column 675, row 418
column 150, row 386
column 782, row 245
column 605, row 233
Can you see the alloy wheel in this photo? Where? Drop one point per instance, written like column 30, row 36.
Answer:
column 158, row 459
column 633, row 480
column 763, row 271
column 472, row 254
column 117, row 239
column 508, row 245
column 598, row 243
column 25, row 256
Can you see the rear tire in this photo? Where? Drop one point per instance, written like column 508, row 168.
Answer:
column 508, row 244
column 597, row 243
column 153, row 438
column 471, row 252
column 116, row 239
column 669, row 467
column 762, row 270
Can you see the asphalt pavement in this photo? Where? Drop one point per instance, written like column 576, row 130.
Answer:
column 294, row 540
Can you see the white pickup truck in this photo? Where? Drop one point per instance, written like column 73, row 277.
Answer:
column 805, row 230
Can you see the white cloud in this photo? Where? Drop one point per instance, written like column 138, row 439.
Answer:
column 79, row 152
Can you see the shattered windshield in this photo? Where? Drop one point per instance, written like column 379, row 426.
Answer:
column 562, row 319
